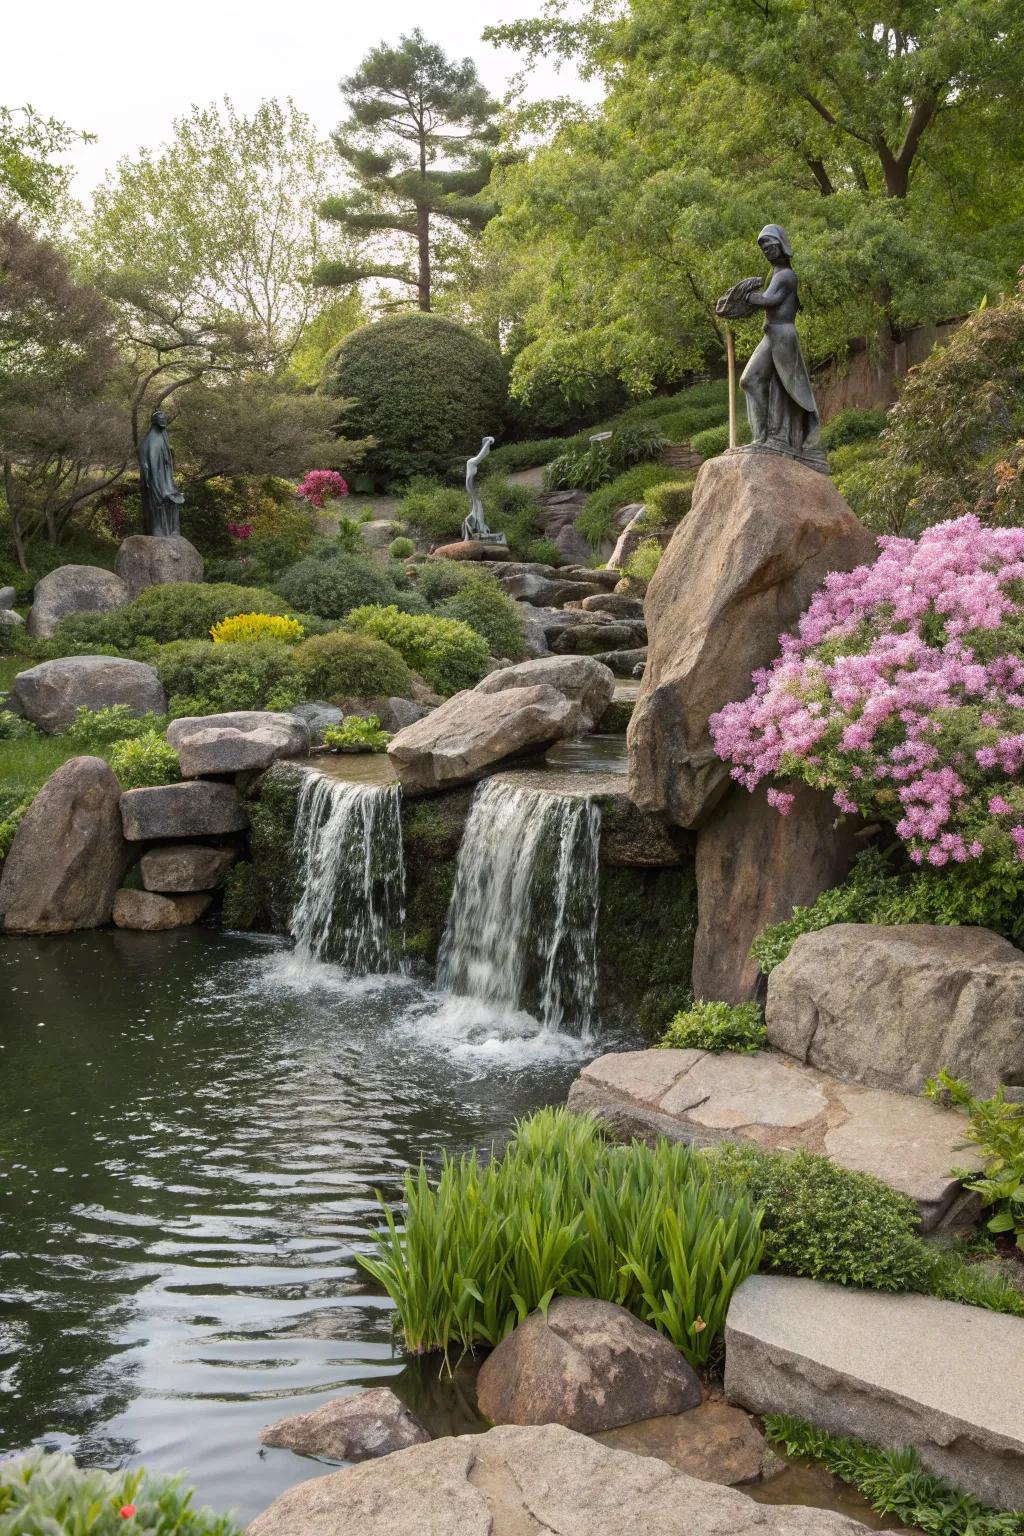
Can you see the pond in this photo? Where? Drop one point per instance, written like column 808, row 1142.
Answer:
column 194, row 1127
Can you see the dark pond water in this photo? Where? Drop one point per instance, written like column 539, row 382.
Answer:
column 191, row 1133
column 589, row 754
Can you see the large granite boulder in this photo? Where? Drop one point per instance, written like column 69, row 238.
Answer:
column 759, row 539
column 588, row 1365
column 356, row 1428
column 753, row 867
column 68, row 854
column 185, row 867
column 897, row 1371
column 891, row 1007
column 145, row 561
column 149, row 912
column 596, row 635
column 11, row 619
column 8, row 597
column 73, row 589
column 587, row 682
column 619, row 605
column 516, row 1481
column 196, row 809
column 468, row 734
column 242, row 740
column 51, row 693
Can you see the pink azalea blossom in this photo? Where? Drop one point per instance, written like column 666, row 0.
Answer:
column 320, row 485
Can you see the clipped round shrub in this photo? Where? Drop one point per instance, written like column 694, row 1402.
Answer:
column 401, row 548
column 667, row 503
column 715, row 440
column 255, row 626
column 332, row 586
column 446, row 652
column 491, row 612
column 144, row 761
column 643, row 562
column 346, row 665
column 438, row 579
column 427, row 389
column 178, row 610
column 205, row 679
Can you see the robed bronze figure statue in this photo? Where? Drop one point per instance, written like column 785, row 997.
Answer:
column 161, row 499
column 781, row 407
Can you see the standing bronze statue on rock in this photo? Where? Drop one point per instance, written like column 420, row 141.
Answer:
column 475, row 525
column 781, row 407
column 161, row 499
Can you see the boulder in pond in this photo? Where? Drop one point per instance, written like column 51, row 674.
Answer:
column 73, row 589
column 760, row 537
column 185, row 867
column 893, row 1006
column 717, row 1442
column 51, row 693
column 68, row 854
column 516, row 1481
column 356, row 1428
column 195, row 809
column 242, row 740
column 467, row 735
column 588, row 1365
column 149, row 912
column 145, row 561
column 588, row 683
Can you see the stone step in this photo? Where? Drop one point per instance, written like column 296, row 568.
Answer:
column 946, row 1379
column 705, row 1096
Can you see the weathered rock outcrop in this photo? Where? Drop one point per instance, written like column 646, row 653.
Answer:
column 235, row 742
column 588, row 1365
column 49, row 694
column 716, row 1442
column 587, row 682
column 68, row 854
column 753, row 867
column 73, row 589
column 595, row 635
column 143, row 561
column 198, row 809
column 892, row 1006
column 152, row 913
column 356, row 1428
column 185, row 867
column 760, row 537
column 864, row 1363
column 516, row 1481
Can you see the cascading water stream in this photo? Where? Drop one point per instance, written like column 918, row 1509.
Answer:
column 351, row 875
column 521, row 931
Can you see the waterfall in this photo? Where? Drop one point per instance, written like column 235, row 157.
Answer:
column 351, row 876
column 521, row 931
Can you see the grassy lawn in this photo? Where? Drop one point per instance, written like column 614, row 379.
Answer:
column 10, row 666
column 25, row 765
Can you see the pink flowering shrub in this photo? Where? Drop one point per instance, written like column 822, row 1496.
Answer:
column 240, row 530
column 902, row 692
column 320, row 485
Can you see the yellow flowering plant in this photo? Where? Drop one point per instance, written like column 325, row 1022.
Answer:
column 255, row 626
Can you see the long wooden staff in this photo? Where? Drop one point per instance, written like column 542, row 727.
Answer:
column 730, row 353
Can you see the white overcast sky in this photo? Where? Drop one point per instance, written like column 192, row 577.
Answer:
column 124, row 69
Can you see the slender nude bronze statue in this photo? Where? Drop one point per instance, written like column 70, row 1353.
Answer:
column 781, row 407
column 475, row 525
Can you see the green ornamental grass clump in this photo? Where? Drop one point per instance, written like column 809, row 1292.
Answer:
column 48, row 1495
column 142, row 762
column 401, row 548
column 561, row 1212
column 446, row 652
column 357, row 733
column 94, row 729
column 346, row 665
column 597, row 521
column 996, row 1128
column 715, row 1026
column 178, row 610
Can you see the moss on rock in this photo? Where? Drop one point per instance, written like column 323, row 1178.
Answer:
column 431, row 835
column 260, row 895
column 645, row 932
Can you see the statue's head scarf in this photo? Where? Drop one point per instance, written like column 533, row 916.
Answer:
column 777, row 232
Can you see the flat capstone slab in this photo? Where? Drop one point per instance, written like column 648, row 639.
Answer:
column 769, row 1099
column 200, row 808
column 896, row 1371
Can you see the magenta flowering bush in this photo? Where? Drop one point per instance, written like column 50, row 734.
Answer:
column 320, row 485
column 902, row 692
column 240, row 530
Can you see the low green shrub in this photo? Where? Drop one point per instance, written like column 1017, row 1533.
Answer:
column 893, row 1482
column 852, row 425
column 544, row 551
column 877, row 891
column 825, row 1222
column 597, row 464
column 597, row 520
column 178, row 610
column 401, row 548
column 332, row 585
column 446, row 652
column 529, row 454
column 562, row 1212
column 201, row 678
column 11, row 814
column 857, row 469
column 667, row 503
column 143, row 761
column 357, row 733
column 437, row 512
column 14, row 727
column 42, row 1494
column 996, row 1129
column 712, row 1026
column 715, row 440
column 514, row 511
column 346, row 665
column 94, row 729
column 438, row 579
column 349, row 537
column 644, row 561
column 484, row 606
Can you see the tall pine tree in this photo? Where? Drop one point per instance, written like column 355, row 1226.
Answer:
column 418, row 138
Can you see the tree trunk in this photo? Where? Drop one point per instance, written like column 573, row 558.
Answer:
column 12, row 511
column 423, row 242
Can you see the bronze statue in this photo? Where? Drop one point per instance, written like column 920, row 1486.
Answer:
column 161, row 499
column 781, row 407
column 475, row 525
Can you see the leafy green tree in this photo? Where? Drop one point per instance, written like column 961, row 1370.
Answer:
column 31, row 178
column 418, row 137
